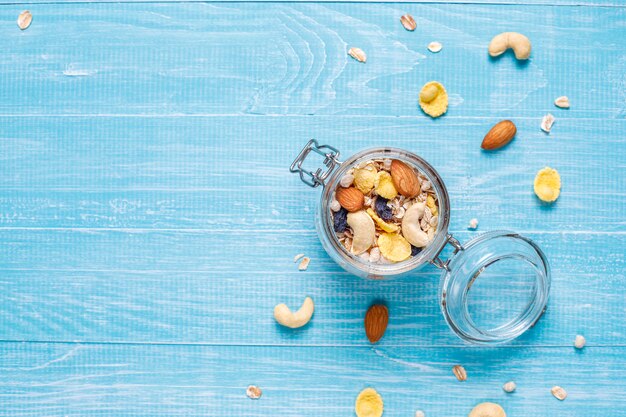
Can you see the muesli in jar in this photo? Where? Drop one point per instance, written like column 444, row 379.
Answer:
column 384, row 211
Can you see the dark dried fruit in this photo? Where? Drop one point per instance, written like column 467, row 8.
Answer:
column 415, row 250
column 340, row 220
column 382, row 209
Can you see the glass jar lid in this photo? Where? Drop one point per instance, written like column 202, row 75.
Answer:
column 494, row 288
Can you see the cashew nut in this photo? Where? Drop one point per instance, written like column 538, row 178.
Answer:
column 364, row 231
column 516, row 41
column 411, row 226
column 487, row 410
column 286, row 317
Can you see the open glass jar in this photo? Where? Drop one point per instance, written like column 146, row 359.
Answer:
column 492, row 289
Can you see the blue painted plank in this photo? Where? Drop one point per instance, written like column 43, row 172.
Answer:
column 153, row 380
column 408, row 3
column 231, row 173
column 220, row 58
column 110, row 232
column 221, row 288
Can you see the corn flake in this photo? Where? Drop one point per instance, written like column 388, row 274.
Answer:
column 369, row 403
column 387, row 227
column 433, row 99
column 394, row 247
column 548, row 184
column 364, row 178
column 384, row 186
column 430, row 202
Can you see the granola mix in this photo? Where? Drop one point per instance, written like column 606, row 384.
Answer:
column 384, row 211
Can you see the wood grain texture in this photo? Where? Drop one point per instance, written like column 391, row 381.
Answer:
column 220, row 288
column 148, row 221
column 408, row 3
column 231, row 173
column 161, row 380
column 219, row 58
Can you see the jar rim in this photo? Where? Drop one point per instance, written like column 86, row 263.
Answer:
column 376, row 270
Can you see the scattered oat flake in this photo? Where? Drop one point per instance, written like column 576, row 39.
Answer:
column 298, row 257
column 420, row 413
column 24, row 19
column 408, row 22
column 562, row 102
column 253, row 392
column 459, row 372
column 559, row 393
column 473, row 224
column 304, row 264
column 546, row 122
column 579, row 342
column 358, row 54
column 435, row 47
column 509, row 386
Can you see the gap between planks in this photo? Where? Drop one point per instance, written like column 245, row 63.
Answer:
column 562, row 115
column 313, row 345
column 276, row 231
column 457, row 2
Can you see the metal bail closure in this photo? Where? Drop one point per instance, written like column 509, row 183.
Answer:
column 445, row 264
column 310, row 178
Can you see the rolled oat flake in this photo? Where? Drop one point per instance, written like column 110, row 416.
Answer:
column 253, row 392
column 559, row 393
column 24, row 20
column 435, row 47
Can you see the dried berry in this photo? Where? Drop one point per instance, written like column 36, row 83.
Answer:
column 415, row 250
column 382, row 209
column 340, row 220
column 387, row 227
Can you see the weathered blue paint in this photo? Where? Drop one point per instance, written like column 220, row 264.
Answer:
column 148, row 221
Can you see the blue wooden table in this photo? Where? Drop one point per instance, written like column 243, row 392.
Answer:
column 148, row 221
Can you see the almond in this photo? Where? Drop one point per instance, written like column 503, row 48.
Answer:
column 499, row 135
column 376, row 320
column 350, row 198
column 405, row 179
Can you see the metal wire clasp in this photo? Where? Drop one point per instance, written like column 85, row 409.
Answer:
column 444, row 264
column 310, row 178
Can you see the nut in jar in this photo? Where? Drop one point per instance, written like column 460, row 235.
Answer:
column 385, row 213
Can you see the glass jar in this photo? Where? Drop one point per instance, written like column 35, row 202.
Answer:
column 493, row 288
